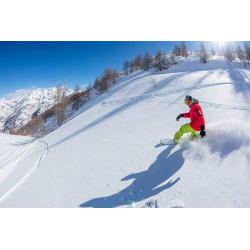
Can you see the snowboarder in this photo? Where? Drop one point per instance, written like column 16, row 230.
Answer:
column 197, row 120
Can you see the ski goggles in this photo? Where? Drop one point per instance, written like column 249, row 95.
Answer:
column 186, row 101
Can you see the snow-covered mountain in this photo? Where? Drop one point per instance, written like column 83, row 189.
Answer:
column 16, row 109
column 109, row 154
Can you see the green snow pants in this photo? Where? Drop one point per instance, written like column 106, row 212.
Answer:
column 185, row 129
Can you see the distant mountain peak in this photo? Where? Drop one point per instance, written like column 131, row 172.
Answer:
column 17, row 108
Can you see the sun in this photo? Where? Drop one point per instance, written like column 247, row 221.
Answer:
column 221, row 42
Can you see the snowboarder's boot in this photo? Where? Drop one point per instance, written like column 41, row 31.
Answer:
column 194, row 137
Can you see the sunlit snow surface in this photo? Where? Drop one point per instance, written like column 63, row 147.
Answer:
column 109, row 154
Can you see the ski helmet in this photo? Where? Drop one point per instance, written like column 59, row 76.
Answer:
column 188, row 99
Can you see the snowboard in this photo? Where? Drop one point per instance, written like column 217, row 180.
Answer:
column 167, row 142
column 171, row 141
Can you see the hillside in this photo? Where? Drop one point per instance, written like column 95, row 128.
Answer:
column 109, row 155
column 16, row 109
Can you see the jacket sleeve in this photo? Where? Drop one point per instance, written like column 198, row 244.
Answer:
column 187, row 115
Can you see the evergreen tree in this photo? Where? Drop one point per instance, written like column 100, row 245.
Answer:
column 147, row 60
column 114, row 75
column 138, row 62
column 184, row 52
column 177, row 50
column 131, row 65
column 160, row 61
column 173, row 59
column 203, row 54
column 126, row 66
column 60, row 105
column 239, row 52
column 105, row 79
column 228, row 51
column 247, row 51
column 59, row 93
column 97, row 83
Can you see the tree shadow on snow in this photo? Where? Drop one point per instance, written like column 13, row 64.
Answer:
column 145, row 183
column 239, row 83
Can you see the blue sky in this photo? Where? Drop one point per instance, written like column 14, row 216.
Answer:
column 42, row 64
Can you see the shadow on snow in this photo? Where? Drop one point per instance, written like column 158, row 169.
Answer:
column 145, row 184
column 240, row 84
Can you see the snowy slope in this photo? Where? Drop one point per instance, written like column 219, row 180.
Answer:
column 16, row 109
column 109, row 155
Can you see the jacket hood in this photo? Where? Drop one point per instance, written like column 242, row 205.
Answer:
column 194, row 101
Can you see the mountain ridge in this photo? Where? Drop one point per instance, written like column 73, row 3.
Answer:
column 16, row 109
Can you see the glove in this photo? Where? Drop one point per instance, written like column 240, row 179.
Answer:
column 203, row 132
column 179, row 116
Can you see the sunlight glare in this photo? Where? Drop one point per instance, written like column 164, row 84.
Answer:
column 221, row 42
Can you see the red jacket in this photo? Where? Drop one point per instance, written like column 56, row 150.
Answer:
column 196, row 116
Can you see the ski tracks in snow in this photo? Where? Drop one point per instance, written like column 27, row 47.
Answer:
column 144, row 97
column 9, row 163
column 151, row 96
column 12, row 153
